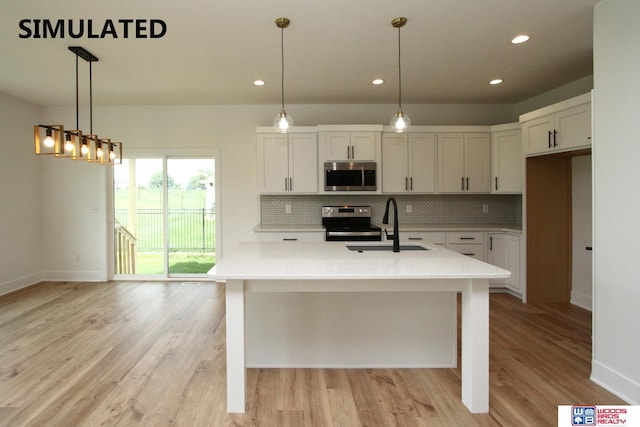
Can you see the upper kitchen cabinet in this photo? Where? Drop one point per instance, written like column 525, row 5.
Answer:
column 564, row 126
column 288, row 163
column 350, row 142
column 408, row 163
column 464, row 162
column 506, row 159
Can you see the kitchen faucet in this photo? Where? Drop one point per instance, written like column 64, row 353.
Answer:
column 385, row 220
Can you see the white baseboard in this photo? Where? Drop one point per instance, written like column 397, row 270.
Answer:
column 19, row 283
column 74, row 276
column 613, row 381
column 581, row 300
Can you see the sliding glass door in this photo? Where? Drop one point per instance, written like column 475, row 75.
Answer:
column 165, row 217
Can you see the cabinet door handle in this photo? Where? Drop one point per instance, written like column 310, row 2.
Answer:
column 467, row 238
column 411, row 183
column 406, row 183
column 468, row 254
column 589, row 248
column 289, row 239
column 462, row 186
column 555, row 133
column 467, row 183
column 286, row 184
column 491, row 243
column 348, row 152
column 549, row 139
column 415, row 238
column 353, row 152
column 290, row 184
column 496, row 183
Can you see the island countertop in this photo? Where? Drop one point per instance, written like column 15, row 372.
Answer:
column 333, row 260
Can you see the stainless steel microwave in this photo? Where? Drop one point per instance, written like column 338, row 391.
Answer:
column 350, row 176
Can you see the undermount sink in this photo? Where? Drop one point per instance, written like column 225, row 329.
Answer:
column 361, row 248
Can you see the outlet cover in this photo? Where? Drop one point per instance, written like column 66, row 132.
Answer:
column 287, row 209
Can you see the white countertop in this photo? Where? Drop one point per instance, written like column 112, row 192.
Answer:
column 332, row 260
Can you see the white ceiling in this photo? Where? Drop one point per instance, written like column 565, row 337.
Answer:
column 214, row 49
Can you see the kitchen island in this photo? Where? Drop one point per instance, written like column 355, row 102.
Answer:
column 331, row 267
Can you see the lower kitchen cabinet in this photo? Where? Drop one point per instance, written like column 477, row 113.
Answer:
column 433, row 237
column 290, row 236
column 467, row 243
column 504, row 252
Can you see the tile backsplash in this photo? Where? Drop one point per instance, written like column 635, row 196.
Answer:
column 426, row 209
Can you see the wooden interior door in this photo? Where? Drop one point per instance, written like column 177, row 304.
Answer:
column 549, row 229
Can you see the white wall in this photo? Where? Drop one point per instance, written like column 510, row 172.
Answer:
column 616, row 154
column 581, row 207
column 19, row 196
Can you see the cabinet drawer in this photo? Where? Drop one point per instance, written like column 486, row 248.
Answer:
column 465, row 237
column 293, row 236
column 435, row 237
column 476, row 250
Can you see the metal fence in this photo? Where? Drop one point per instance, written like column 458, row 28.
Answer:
column 189, row 230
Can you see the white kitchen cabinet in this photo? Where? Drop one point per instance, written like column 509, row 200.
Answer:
column 507, row 161
column 429, row 237
column 408, row 163
column 464, row 162
column 290, row 236
column 288, row 163
column 504, row 252
column 346, row 146
column 560, row 127
column 470, row 243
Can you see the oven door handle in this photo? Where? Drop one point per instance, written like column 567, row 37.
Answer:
column 362, row 176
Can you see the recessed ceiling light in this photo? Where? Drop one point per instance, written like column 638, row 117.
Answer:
column 259, row 83
column 495, row 82
column 377, row 81
column 520, row 39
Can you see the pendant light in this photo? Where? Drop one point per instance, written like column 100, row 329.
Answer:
column 283, row 122
column 48, row 139
column 400, row 121
column 74, row 144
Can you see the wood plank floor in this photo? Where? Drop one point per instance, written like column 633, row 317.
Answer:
column 153, row 353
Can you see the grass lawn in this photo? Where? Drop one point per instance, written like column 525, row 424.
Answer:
column 186, row 230
column 179, row 263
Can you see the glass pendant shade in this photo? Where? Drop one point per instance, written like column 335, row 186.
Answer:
column 283, row 122
column 48, row 139
column 400, row 121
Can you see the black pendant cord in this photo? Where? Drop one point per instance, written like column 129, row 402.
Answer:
column 90, row 100
column 77, row 96
column 282, row 65
column 399, row 73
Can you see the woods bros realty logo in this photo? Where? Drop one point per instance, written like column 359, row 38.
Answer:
column 88, row 28
column 598, row 415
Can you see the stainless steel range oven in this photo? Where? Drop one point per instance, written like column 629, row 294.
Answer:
column 349, row 223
